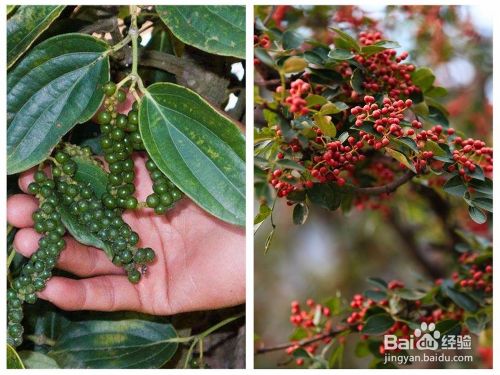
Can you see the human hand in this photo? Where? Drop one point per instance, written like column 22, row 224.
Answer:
column 199, row 265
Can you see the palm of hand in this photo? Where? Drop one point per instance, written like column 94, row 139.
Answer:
column 199, row 265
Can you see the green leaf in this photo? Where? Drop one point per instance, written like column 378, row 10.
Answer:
column 401, row 158
column 349, row 40
column 477, row 215
column 406, row 142
column 376, row 295
column 378, row 324
column 13, row 360
column 448, row 327
column 436, row 92
column 483, row 203
column 325, row 124
column 477, row 324
column 340, row 54
column 333, row 108
column 410, row 294
column 217, row 29
column 313, row 100
column 455, row 186
column 357, row 80
column 423, row 78
column 57, row 85
column 378, row 282
column 291, row 39
column 37, row 360
column 263, row 55
column 484, row 187
column 290, row 164
column 300, row 213
column 26, row 25
column 294, row 64
column 460, row 298
column 269, row 240
column 264, row 213
column 324, row 195
column 201, row 151
column 129, row 343
column 96, row 178
column 430, row 145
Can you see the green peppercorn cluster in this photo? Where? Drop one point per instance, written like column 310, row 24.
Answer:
column 165, row 193
column 120, row 137
column 102, row 221
column 38, row 269
column 64, row 195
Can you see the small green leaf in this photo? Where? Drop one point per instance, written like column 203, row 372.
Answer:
column 269, row 240
column 430, row 145
column 325, row 124
column 325, row 195
column 477, row 215
column 121, row 344
column 460, row 298
column 13, row 360
column 294, row 64
column 376, row 295
column 313, row 100
column 26, row 25
column 57, row 85
column 484, row 187
column 378, row 282
column 401, row 158
column 217, row 29
column 291, row 39
column 477, row 324
column 378, row 324
column 263, row 55
column 483, row 203
column 410, row 294
column 349, row 40
column 37, row 360
column 333, row 108
column 340, row 54
column 300, row 213
column 264, row 213
column 455, row 186
column 290, row 164
column 357, row 80
column 201, row 151
column 436, row 92
column 423, row 78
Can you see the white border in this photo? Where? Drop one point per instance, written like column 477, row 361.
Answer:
column 493, row 7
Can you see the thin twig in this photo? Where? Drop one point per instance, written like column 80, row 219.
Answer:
column 301, row 343
column 389, row 188
column 269, row 15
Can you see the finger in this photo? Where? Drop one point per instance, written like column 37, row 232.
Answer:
column 76, row 258
column 102, row 293
column 26, row 178
column 20, row 207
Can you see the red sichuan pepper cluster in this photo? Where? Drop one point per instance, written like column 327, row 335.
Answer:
column 319, row 331
column 330, row 160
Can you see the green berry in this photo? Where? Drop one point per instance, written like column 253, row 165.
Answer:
column 134, row 276
column 62, row 157
column 133, row 117
column 40, row 176
column 121, row 121
column 109, row 89
column 160, row 209
column 33, row 188
column 131, row 203
column 104, row 118
column 120, row 96
column 153, row 200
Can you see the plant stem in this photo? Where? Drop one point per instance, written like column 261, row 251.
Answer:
column 134, row 33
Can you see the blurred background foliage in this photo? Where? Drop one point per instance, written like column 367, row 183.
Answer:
column 335, row 252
